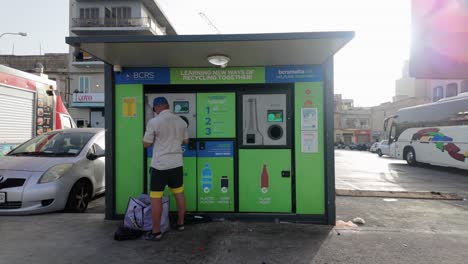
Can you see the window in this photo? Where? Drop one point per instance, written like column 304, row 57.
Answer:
column 84, row 84
column 464, row 86
column 66, row 122
column 451, row 90
column 80, row 123
column 121, row 12
column 437, row 93
column 89, row 13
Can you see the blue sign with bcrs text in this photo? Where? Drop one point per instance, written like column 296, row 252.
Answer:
column 143, row 76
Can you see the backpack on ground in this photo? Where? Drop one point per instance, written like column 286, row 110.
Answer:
column 138, row 215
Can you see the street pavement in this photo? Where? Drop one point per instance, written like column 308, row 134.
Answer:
column 395, row 230
column 398, row 231
column 363, row 170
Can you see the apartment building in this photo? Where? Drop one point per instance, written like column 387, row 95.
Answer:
column 104, row 17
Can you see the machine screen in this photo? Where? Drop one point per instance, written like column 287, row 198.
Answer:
column 181, row 107
column 275, row 115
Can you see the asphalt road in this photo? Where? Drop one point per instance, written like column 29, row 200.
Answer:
column 362, row 170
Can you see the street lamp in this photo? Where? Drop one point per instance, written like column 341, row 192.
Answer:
column 23, row 34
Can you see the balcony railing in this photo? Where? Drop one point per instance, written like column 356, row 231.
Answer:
column 111, row 22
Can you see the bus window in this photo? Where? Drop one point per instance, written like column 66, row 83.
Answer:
column 393, row 133
column 451, row 90
column 437, row 93
column 464, row 86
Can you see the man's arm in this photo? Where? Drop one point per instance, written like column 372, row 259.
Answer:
column 148, row 138
column 186, row 136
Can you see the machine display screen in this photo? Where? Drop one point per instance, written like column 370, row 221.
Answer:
column 181, row 107
column 275, row 115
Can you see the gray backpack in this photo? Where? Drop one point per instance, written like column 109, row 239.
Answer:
column 138, row 215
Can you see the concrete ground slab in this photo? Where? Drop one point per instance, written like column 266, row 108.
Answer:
column 402, row 231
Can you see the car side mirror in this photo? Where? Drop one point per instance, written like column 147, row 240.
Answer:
column 98, row 152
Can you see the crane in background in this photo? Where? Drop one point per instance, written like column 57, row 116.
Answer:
column 208, row 21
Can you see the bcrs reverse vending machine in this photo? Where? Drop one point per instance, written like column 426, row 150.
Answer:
column 260, row 127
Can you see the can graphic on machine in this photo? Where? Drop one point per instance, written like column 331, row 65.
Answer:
column 207, row 178
column 224, row 184
column 264, row 181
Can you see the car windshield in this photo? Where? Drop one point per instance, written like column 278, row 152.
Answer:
column 56, row 144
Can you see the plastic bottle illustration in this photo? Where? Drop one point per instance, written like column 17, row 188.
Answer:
column 207, row 178
column 224, row 184
column 264, row 182
column 253, row 135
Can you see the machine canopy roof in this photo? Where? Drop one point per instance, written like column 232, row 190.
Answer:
column 193, row 50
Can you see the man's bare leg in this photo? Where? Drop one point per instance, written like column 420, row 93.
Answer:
column 180, row 201
column 156, row 211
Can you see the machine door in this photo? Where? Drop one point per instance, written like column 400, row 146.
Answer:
column 265, row 180
column 265, row 153
column 215, row 165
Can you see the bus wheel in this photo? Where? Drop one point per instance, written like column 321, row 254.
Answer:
column 411, row 157
column 379, row 152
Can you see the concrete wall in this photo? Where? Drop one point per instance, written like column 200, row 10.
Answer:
column 96, row 81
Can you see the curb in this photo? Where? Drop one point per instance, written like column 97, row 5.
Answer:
column 399, row 194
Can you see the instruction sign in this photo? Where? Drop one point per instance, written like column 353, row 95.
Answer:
column 216, row 117
column 129, row 108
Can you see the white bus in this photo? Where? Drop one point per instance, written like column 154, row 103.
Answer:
column 435, row 133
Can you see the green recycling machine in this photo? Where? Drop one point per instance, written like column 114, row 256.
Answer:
column 260, row 126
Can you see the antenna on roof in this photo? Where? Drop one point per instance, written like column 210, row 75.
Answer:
column 208, row 21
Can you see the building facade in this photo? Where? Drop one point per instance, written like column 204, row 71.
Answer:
column 352, row 124
column 104, row 17
column 439, row 89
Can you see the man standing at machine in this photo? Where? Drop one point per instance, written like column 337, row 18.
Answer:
column 166, row 132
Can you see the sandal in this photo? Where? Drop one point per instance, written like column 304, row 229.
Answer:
column 153, row 236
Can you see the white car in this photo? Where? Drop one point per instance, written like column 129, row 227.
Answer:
column 62, row 169
column 374, row 147
column 383, row 148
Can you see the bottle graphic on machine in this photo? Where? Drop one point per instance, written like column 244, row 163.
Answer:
column 224, row 184
column 207, row 178
column 264, row 181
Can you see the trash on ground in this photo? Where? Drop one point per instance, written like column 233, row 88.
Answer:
column 343, row 224
column 390, row 200
column 359, row 221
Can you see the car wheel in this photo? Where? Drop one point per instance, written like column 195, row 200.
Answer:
column 79, row 197
column 411, row 157
column 379, row 152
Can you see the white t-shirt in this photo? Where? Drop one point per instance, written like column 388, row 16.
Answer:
column 167, row 132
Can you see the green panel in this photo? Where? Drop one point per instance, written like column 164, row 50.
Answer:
column 216, row 199
column 190, row 186
column 217, row 75
column 310, row 171
column 216, row 117
column 255, row 196
column 128, row 145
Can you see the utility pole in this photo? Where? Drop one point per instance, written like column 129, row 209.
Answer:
column 208, row 21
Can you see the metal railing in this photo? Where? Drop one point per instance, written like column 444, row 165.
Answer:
column 111, row 22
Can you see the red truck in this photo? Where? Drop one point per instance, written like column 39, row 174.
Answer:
column 29, row 106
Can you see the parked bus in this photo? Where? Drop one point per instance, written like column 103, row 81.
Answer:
column 29, row 106
column 435, row 133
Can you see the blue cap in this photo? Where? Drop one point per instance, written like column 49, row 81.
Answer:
column 160, row 101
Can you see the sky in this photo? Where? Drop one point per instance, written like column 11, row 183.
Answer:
column 365, row 69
